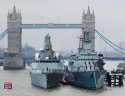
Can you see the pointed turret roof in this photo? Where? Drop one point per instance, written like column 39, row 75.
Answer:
column 14, row 10
column 83, row 13
column 88, row 11
column 14, row 13
column 93, row 14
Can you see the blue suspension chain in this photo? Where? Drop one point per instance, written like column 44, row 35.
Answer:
column 109, row 40
column 106, row 41
column 2, row 35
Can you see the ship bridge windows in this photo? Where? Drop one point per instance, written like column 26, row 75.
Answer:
column 88, row 59
column 44, row 61
column 88, row 54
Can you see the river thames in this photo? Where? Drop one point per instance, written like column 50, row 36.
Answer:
column 21, row 85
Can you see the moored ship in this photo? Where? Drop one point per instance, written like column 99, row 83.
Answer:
column 87, row 67
column 47, row 70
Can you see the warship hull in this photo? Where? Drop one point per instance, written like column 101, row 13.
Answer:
column 46, row 80
column 88, row 79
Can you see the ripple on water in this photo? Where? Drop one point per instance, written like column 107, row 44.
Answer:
column 22, row 86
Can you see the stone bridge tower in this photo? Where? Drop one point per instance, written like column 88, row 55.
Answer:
column 13, row 58
column 88, row 23
column 14, row 20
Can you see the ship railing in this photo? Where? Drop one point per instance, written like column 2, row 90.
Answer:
column 53, row 71
column 85, row 68
column 40, row 71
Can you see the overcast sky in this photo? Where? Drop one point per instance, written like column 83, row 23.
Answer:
column 110, row 18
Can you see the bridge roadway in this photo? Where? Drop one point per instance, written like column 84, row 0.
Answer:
column 114, row 58
column 45, row 26
column 50, row 25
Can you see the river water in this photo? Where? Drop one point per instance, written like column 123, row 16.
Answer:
column 22, row 86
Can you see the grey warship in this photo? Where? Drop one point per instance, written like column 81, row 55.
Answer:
column 86, row 66
column 46, row 71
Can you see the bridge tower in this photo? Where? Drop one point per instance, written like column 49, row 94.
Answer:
column 13, row 58
column 88, row 23
column 14, row 20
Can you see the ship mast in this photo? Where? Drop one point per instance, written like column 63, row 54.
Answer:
column 47, row 53
column 84, row 40
column 47, row 43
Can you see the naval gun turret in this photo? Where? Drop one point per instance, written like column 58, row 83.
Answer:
column 100, row 62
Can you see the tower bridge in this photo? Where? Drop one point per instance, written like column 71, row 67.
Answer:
column 13, row 58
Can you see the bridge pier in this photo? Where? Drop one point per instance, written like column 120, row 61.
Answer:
column 13, row 61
